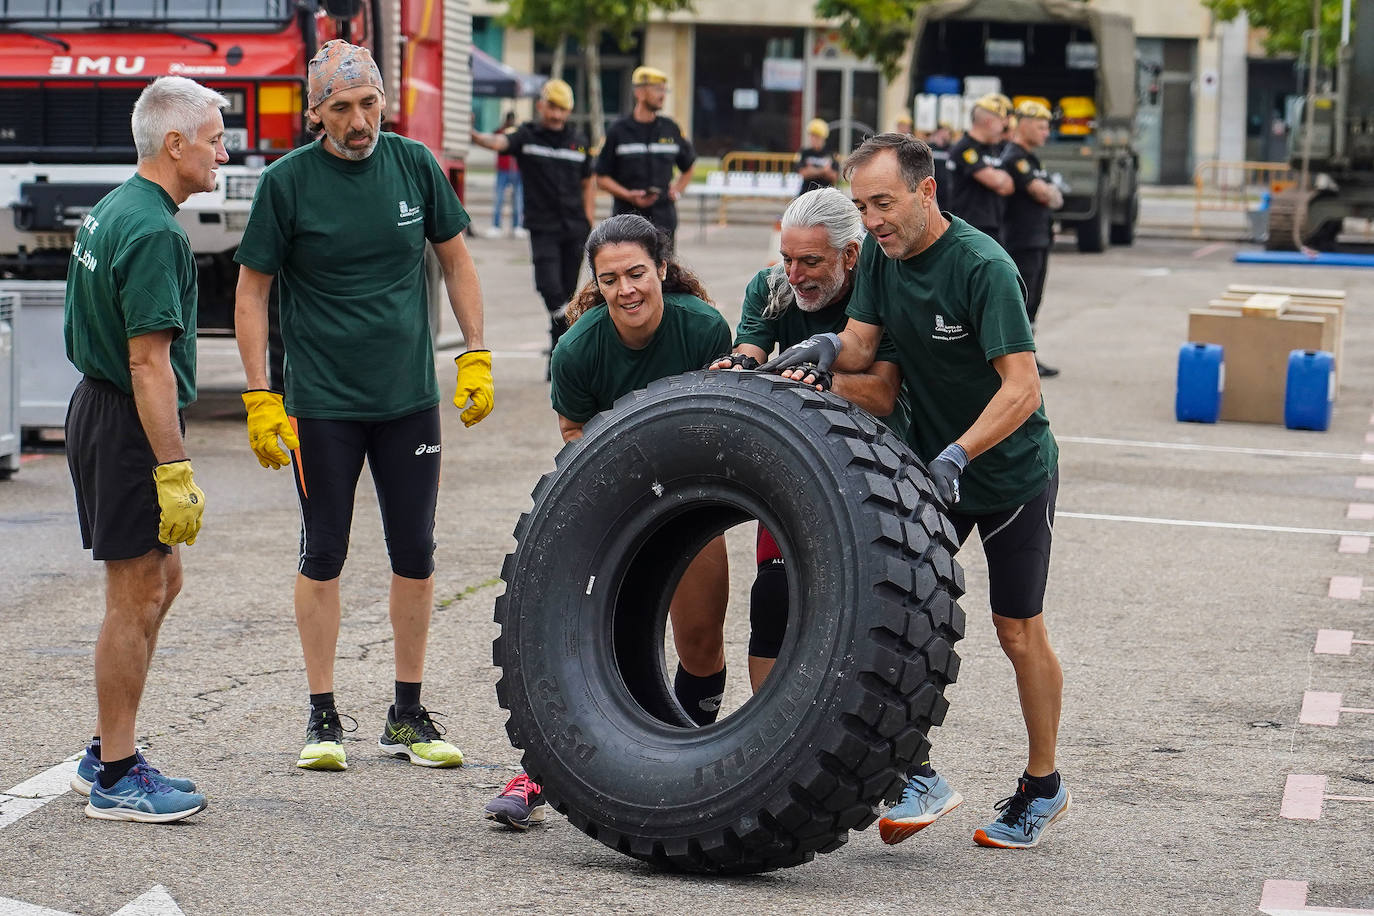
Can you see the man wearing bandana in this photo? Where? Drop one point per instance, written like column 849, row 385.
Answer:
column 342, row 223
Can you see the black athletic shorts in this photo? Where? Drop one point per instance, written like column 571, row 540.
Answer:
column 1017, row 546
column 403, row 455
column 112, row 465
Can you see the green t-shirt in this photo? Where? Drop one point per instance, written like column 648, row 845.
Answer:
column 794, row 326
column 346, row 241
column 950, row 311
column 132, row 273
column 592, row 367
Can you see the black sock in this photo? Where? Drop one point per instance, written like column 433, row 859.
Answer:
column 95, row 745
column 700, row 696
column 1042, row 786
column 322, row 700
column 112, row 771
column 923, row 770
column 407, row 696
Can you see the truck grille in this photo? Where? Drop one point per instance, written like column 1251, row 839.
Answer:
column 52, row 122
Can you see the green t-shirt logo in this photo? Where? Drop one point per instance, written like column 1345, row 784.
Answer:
column 409, row 214
column 948, row 331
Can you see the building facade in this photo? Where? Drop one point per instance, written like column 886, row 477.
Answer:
column 750, row 76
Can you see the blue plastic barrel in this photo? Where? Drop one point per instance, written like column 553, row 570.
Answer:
column 1310, row 391
column 1201, row 376
column 941, row 84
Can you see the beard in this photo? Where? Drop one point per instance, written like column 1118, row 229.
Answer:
column 340, row 144
column 825, row 292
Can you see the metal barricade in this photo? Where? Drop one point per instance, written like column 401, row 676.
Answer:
column 755, row 176
column 1236, row 186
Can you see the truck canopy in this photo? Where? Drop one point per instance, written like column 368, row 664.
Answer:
column 1037, row 47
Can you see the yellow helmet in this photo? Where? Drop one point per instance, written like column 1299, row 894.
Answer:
column 817, row 127
column 648, row 76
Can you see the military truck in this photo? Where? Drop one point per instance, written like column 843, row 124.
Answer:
column 1339, row 148
column 1082, row 61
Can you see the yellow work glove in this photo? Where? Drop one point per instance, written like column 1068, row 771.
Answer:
column 181, row 501
column 266, row 423
column 474, row 384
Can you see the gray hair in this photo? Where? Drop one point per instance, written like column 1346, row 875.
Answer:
column 821, row 207
column 171, row 103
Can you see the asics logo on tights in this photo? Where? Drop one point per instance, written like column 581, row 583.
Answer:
column 423, row 449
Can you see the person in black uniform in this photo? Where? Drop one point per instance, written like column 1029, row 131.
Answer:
column 637, row 159
column 978, row 184
column 818, row 167
column 939, row 141
column 559, row 196
column 1026, row 232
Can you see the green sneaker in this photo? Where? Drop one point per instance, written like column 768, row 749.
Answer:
column 324, row 741
column 417, row 736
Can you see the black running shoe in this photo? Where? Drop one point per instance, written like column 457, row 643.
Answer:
column 417, row 736
column 324, row 741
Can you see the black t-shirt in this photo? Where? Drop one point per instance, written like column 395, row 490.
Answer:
column 553, row 165
column 972, row 201
column 1027, row 221
column 640, row 156
column 809, row 156
column 944, row 177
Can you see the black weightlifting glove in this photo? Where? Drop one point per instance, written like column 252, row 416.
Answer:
column 736, row 360
column 822, row 378
column 945, row 471
column 819, row 349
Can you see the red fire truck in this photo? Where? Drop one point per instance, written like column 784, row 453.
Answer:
column 70, row 71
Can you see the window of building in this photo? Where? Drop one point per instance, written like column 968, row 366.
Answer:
column 748, row 92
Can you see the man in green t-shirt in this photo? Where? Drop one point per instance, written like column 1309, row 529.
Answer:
column 342, row 224
column 950, row 300
column 130, row 328
column 806, row 293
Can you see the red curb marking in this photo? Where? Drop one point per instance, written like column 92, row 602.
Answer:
column 1361, row 511
column 1287, row 894
column 1322, row 708
column 1346, row 587
column 1302, row 797
column 1353, row 543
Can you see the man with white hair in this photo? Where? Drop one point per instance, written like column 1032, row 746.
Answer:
column 130, row 328
column 806, row 293
column 342, row 223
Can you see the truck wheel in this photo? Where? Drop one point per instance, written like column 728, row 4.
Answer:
column 868, row 651
column 1093, row 233
column 1124, row 233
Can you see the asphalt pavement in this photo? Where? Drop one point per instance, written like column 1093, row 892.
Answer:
column 1194, row 566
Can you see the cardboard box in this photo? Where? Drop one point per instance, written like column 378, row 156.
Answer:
column 1255, row 352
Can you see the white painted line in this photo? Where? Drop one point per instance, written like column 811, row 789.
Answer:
column 1315, row 911
column 1190, row 523
column 1334, row 642
column 1363, row 512
column 1354, row 798
column 1364, row 483
column 153, row 902
column 1226, row 449
column 1347, row 588
column 1302, row 797
column 34, row 793
column 1353, row 543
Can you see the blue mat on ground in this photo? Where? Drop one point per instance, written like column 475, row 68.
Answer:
column 1322, row 259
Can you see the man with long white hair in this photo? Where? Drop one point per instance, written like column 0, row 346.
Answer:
column 805, row 293
column 130, row 328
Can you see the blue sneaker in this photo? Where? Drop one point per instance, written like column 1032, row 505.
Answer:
column 89, row 768
column 142, row 796
column 1024, row 818
column 924, row 800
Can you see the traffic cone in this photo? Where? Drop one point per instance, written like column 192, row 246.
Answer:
column 774, row 243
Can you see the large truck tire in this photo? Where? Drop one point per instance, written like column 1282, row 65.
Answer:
column 867, row 655
column 1123, row 233
column 1093, row 233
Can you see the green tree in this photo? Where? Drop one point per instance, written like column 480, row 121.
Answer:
column 1285, row 21
column 553, row 21
column 876, row 30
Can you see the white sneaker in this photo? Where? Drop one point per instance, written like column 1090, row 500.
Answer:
column 520, row 232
